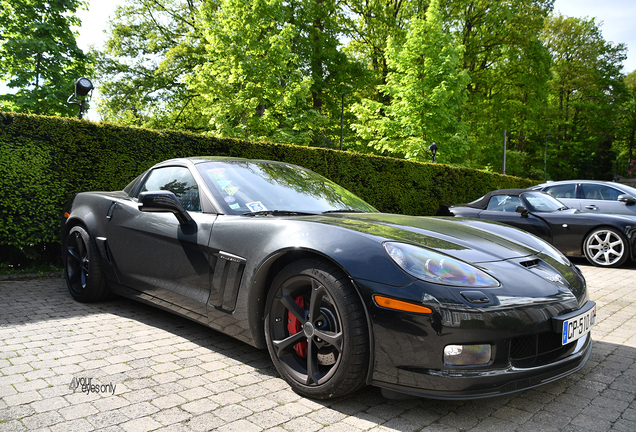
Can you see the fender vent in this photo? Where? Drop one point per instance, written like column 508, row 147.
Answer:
column 226, row 279
column 531, row 263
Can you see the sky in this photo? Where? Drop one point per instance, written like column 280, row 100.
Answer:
column 617, row 16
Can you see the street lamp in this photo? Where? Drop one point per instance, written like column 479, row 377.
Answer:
column 545, row 158
column 342, row 121
column 83, row 87
column 433, row 149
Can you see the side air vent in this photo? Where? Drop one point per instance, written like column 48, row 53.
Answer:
column 226, row 279
column 531, row 263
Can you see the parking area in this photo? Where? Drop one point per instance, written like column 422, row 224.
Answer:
column 124, row 366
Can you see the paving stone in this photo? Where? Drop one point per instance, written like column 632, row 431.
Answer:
column 141, row 425
column 171, row 416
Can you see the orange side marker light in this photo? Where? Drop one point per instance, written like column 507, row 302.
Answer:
column 389, row 303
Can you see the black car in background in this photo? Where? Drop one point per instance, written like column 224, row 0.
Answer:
column 341, row 296
column 605, row 240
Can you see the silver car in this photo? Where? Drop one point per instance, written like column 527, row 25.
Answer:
column 593, row 196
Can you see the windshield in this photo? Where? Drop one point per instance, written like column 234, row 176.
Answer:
column 541, row 202
column 254, row 186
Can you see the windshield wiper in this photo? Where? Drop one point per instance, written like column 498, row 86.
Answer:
column 344, row 211
column 277, row 213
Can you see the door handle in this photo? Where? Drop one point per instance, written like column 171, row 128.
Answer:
column 591, row 207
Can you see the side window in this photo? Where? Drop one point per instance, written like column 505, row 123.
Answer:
column 562, row 191
column 600, row 192
column 504, row 203
column 177, row 180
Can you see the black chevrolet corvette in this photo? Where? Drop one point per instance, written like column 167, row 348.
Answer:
column 341, row 296
column 605, row 240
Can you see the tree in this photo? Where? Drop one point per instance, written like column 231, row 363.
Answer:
column 371, row 25
column 587, row 90
column 39, row 57
column 152, row 48
column 509, row 68
column 257, row 69
column 426, row 87
column 625, row 144
column 251, row 79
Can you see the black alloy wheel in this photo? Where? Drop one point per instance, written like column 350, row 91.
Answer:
column 316, row 330
column 83, row 273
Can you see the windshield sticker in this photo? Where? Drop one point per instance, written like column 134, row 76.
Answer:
column 231, row 190
column 256, row 206
column 230, row 199
column 235, row 206
column 224, row 183
column 218, row 173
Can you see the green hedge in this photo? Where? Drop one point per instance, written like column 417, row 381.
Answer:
column 44, row 160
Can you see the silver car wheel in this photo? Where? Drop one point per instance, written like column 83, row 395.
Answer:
column 606, row 247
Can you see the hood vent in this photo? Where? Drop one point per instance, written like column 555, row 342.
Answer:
column 529, row 264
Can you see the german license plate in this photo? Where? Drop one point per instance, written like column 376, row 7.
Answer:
column 576, row 325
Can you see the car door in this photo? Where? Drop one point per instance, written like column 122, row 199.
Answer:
column 502, row 208
column 601, row 198
column 569, row 228
column 167, row 261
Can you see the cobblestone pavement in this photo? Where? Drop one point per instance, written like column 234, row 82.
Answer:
column 155, row 371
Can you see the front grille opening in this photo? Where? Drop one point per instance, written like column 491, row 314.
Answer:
column 538, row 349
column 531, row 263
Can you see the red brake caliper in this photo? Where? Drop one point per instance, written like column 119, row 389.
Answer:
column 294, row 326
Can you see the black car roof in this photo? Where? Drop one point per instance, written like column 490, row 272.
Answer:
column 482, row 202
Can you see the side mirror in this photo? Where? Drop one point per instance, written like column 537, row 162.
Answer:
column 163, row 202
column 522, row 210
column 627, row 199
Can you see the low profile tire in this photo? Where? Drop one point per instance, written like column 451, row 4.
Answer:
column 606, row 247
column 83, row 273
column 316, row 330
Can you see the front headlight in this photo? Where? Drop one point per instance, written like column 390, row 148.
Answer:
column 438, row 268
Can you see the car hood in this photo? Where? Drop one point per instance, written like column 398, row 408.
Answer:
column 471, row 240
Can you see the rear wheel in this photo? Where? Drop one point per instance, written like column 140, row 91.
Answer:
column 606, row 247
column 84, row 277
column 316, row 330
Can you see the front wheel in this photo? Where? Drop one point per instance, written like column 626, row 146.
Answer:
column 606, row 247
column 316, row 330
column 84, row 277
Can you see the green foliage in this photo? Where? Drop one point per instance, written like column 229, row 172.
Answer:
column 47, row 159
column 153, row 45
column 426, row 88
column 29, row 209
column 39, row 57
column 509, row 68
column 392, row 73
column 266, row 70
column 251, row 79
column 624, row 145
column 586, row 93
